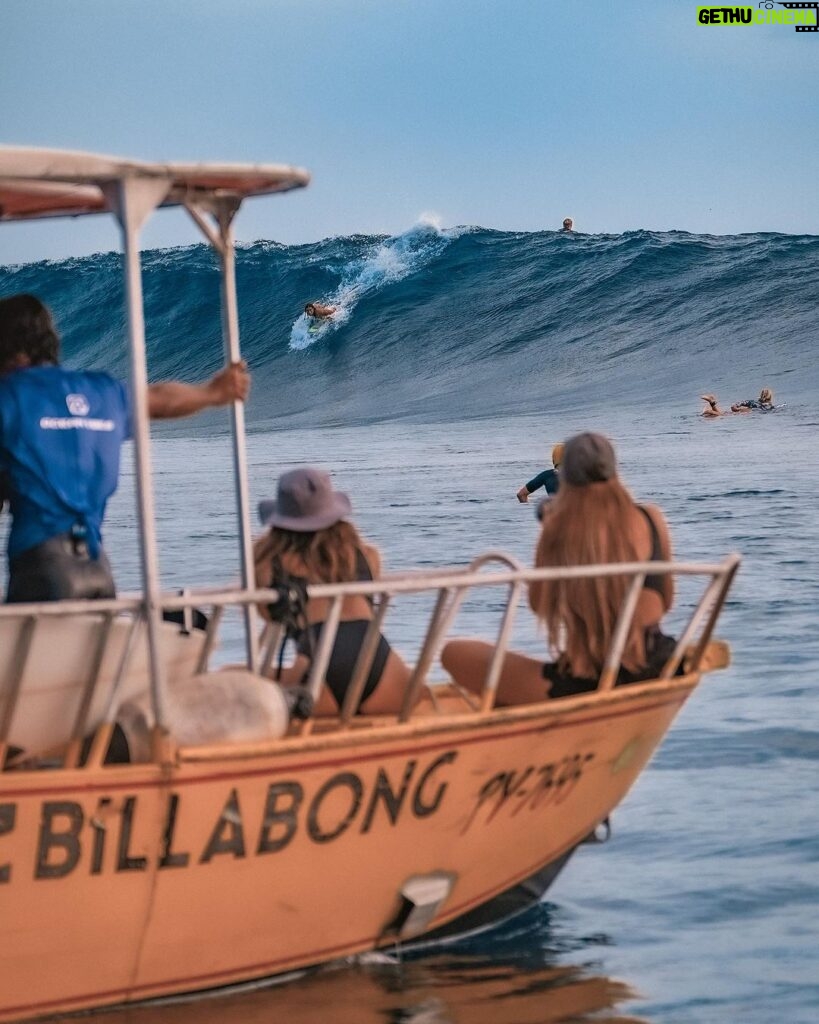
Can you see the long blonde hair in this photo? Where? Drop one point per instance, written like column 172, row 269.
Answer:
column 321, row 556
column 588, row 525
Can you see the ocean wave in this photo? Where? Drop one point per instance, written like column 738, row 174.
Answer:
column 460, row 322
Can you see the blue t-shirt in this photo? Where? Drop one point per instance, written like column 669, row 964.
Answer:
column 60, row 437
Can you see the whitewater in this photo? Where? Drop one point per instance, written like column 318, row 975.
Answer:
column 458, row 358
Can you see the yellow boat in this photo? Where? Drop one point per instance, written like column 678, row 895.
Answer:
column 288, row 843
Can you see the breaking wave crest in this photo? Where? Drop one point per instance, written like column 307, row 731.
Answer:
column 454, row 323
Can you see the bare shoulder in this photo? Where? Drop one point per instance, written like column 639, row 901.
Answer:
column 656, row 513
column 373, row 556
column 657, row 517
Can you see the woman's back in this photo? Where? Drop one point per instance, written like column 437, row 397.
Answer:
column 594, row 520
column 310, row 540
column 289, row 563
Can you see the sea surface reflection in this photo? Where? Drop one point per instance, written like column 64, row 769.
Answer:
column 517, row 974
column 442, row 990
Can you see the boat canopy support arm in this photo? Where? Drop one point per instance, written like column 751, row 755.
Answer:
column 222, row 210
column 133, row 199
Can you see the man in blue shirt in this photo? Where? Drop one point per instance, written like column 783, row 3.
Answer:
column 60, row 436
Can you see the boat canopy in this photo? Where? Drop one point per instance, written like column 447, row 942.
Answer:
column 55, row 182
column 52, row 183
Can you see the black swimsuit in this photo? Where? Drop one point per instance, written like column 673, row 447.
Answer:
column 655, row 581
column 348, row 642
column 659, row 647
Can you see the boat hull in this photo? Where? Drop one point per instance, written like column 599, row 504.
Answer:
column 505, row 906
column 126, row 883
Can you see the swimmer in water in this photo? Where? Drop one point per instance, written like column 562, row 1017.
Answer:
column 712, row 409
column 568, row 224
column 764, row 402
column 319, row 312
column 548, row 478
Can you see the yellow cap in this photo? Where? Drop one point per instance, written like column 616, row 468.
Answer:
column 557, row 454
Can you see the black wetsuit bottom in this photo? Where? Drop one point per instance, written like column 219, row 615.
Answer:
column 659, row 649
column 59, row 569
column 348, row 642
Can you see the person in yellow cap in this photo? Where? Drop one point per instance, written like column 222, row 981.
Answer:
column 711, row 410
column 548, row 478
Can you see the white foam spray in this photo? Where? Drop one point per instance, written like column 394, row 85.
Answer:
column 387, row 262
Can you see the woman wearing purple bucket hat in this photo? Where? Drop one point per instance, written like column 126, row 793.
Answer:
column 592, row 520
column 310, row 540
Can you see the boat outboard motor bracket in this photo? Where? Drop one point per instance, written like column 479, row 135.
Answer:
column 422, row 896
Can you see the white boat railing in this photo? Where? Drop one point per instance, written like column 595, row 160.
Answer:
column 450, row 588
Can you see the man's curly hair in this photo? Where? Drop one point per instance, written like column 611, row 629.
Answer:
column 26, row 328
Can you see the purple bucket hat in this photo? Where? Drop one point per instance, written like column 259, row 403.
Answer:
column 305, row 501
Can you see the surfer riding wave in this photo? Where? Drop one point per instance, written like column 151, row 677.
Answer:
column 319, row 311
column 386, row 262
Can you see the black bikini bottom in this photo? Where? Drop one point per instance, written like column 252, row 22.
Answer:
column 659, row 649
column 349, row 638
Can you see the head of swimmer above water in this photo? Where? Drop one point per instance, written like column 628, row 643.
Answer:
column 568, row 224
column 557, row 454
column 766, row 397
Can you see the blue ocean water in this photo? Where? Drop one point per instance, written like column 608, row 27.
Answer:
column 457, row 323
column 460, row 358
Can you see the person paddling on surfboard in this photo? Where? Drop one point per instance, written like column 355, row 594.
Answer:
column 764, row 402
column 318, row 311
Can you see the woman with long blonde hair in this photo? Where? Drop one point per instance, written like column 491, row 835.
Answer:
column 593, row 520
column 310, row 540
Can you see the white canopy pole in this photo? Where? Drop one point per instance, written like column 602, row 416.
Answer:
column 133, row 200
column 224, row 209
